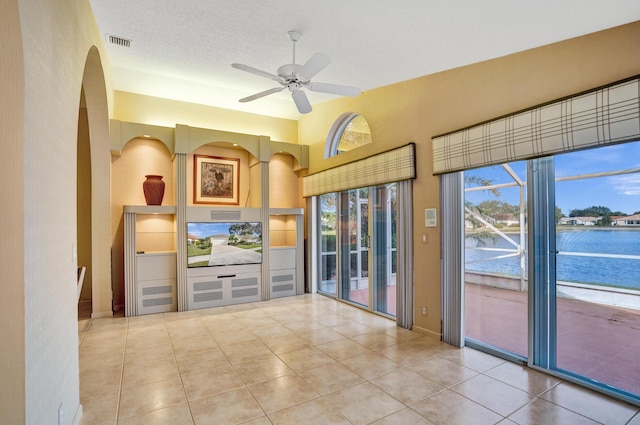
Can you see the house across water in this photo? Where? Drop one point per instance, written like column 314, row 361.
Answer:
column 632, row 220
column 579, row 221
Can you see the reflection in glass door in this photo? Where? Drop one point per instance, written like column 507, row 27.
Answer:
column 328, row 233
column 354, row 246
column 383, row 248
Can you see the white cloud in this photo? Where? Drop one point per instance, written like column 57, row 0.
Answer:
column 626, row 185
column 615, row 157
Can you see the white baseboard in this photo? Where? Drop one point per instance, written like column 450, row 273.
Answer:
column 436, row 335
column 78, row 415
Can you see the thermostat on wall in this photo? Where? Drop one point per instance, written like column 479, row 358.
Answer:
column 430, row 217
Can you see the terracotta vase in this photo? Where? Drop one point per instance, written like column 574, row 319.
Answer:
column 153, row 188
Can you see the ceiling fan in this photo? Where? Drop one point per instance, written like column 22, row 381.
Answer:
column 296, row 77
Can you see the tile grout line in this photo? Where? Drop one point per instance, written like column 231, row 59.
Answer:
column 124, row 354
column 244, row 385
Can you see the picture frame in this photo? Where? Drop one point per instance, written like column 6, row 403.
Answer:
column 216, row 180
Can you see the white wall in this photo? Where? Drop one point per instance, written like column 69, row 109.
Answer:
column 56, row 38
column 11, row 243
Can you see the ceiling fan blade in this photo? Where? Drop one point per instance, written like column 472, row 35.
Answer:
column 256, row 71
column 334, row 89
column 261, row 94
column 317, row 63
column 301, row 100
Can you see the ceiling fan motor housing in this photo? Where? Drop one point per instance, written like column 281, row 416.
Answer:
column 289, row 72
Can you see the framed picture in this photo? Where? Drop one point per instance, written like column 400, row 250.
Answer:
column 216, row 180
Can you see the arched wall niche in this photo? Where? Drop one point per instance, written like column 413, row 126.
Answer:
column 283, row 181
column 189, row 139
column 300, row 153
column 249, row 181
column 186, row 139
column 122, row 132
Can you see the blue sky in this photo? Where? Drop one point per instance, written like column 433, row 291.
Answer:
column 208, row 229
column 619, row 193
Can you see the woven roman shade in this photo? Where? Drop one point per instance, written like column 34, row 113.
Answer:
column 387, row 167
column 606, row 115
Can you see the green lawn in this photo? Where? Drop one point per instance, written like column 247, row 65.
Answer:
column 195, row 250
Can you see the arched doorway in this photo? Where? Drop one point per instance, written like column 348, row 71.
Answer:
column 93, row 182
column 83, row 213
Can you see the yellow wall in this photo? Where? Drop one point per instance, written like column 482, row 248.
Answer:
column 417, row 110
column 138, row 108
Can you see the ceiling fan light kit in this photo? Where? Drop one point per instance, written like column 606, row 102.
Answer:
column 296, row 77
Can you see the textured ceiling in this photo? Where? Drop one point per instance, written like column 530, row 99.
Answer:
column 183, row 49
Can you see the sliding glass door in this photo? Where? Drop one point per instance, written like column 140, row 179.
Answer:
column 358, row 246
column 495, row 258
column 567, row 298
column 598, row 265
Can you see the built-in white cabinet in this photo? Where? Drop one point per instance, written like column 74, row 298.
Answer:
column 282, row 271
column 156, row 282
column 224, row 285
column 149, row 259
column 263, row 173
column 152, row 265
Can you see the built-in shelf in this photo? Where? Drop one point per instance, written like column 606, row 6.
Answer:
column 286, row 211
column 283, row 226
column 269, row 177
column 150, row 245
column 150, row 209
column 149, row 259
column 286, row 251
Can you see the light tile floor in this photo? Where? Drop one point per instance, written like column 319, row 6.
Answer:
column 310, row 360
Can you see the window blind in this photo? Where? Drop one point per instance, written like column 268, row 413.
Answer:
column 606, row 115
column 404, row 275
column 452, row 263
column 387, row 167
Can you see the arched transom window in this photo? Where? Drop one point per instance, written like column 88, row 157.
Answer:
column 348, row 132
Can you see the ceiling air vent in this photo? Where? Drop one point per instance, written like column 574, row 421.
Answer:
column 118, row 41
